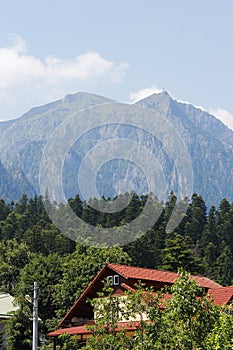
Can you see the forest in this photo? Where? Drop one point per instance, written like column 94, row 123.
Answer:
column 33, row 249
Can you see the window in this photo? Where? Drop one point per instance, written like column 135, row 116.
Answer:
column 110, row 280
column 116, row 280
column 113, row 280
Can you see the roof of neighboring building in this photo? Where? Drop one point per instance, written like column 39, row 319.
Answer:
column 223, row 295
column 6, row 305
column 140, row 273
column 129, row 288
column 70, row 330
column 81, row 330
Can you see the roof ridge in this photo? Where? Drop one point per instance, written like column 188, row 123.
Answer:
column 143, row 268
column 151, row 269
column 221, row 287
column 144, row 273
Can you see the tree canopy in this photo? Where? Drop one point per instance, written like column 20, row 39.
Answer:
column 32, row 248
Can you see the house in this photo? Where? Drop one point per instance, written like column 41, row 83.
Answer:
column 6, row 307
column 123, row 278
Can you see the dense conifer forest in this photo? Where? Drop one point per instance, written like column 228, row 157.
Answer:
column 32, row 249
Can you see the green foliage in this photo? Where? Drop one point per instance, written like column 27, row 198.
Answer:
column 68, row 342
column 178, row 253
column 47, row 271
column 4, row 210
column 110, row 310
column 224, row 267
column 221, row 336
column 198, row 243
column 188, row 317
column 196, row 218
column 108, row 313
column 31, row 248
column 1, row 339
column 19, row 332
column 13, row 258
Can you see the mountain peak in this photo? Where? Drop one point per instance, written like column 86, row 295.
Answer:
column 163, row 94
column 70, row 98
column 161, row 100
column 156, row 96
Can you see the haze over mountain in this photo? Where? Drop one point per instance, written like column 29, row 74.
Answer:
column 209, row 143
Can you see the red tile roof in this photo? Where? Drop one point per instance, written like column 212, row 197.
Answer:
column 223, row 295
column 84, row 294
column 70, row 330
column 140, row 273
column 81, row 330
column 205, row 282
column 125, row 286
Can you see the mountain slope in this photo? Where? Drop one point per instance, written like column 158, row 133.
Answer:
column 22, row 142
column 209, row 142
column 8, row 188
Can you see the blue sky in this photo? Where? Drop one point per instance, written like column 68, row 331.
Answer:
column 121, row 49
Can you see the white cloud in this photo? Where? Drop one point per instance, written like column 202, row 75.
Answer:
column 225, row 116
column 143, row 93
column 29, row 79
column 18, row 44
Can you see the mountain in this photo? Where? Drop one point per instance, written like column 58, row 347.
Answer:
column 5, row 125
column 209, row 143
column 8, row 186
column 22, row 142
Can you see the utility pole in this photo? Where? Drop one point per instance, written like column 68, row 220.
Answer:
column 35, row 317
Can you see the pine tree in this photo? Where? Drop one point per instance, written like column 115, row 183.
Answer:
column 178, row 253
column 224, row 267
column 197, row 218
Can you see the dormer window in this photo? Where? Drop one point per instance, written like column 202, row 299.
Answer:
column 113, row 280
column 110, row 280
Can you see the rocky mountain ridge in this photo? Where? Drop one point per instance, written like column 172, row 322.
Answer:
column 209, row 142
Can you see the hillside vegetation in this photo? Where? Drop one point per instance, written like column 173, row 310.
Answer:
column 33, row 249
